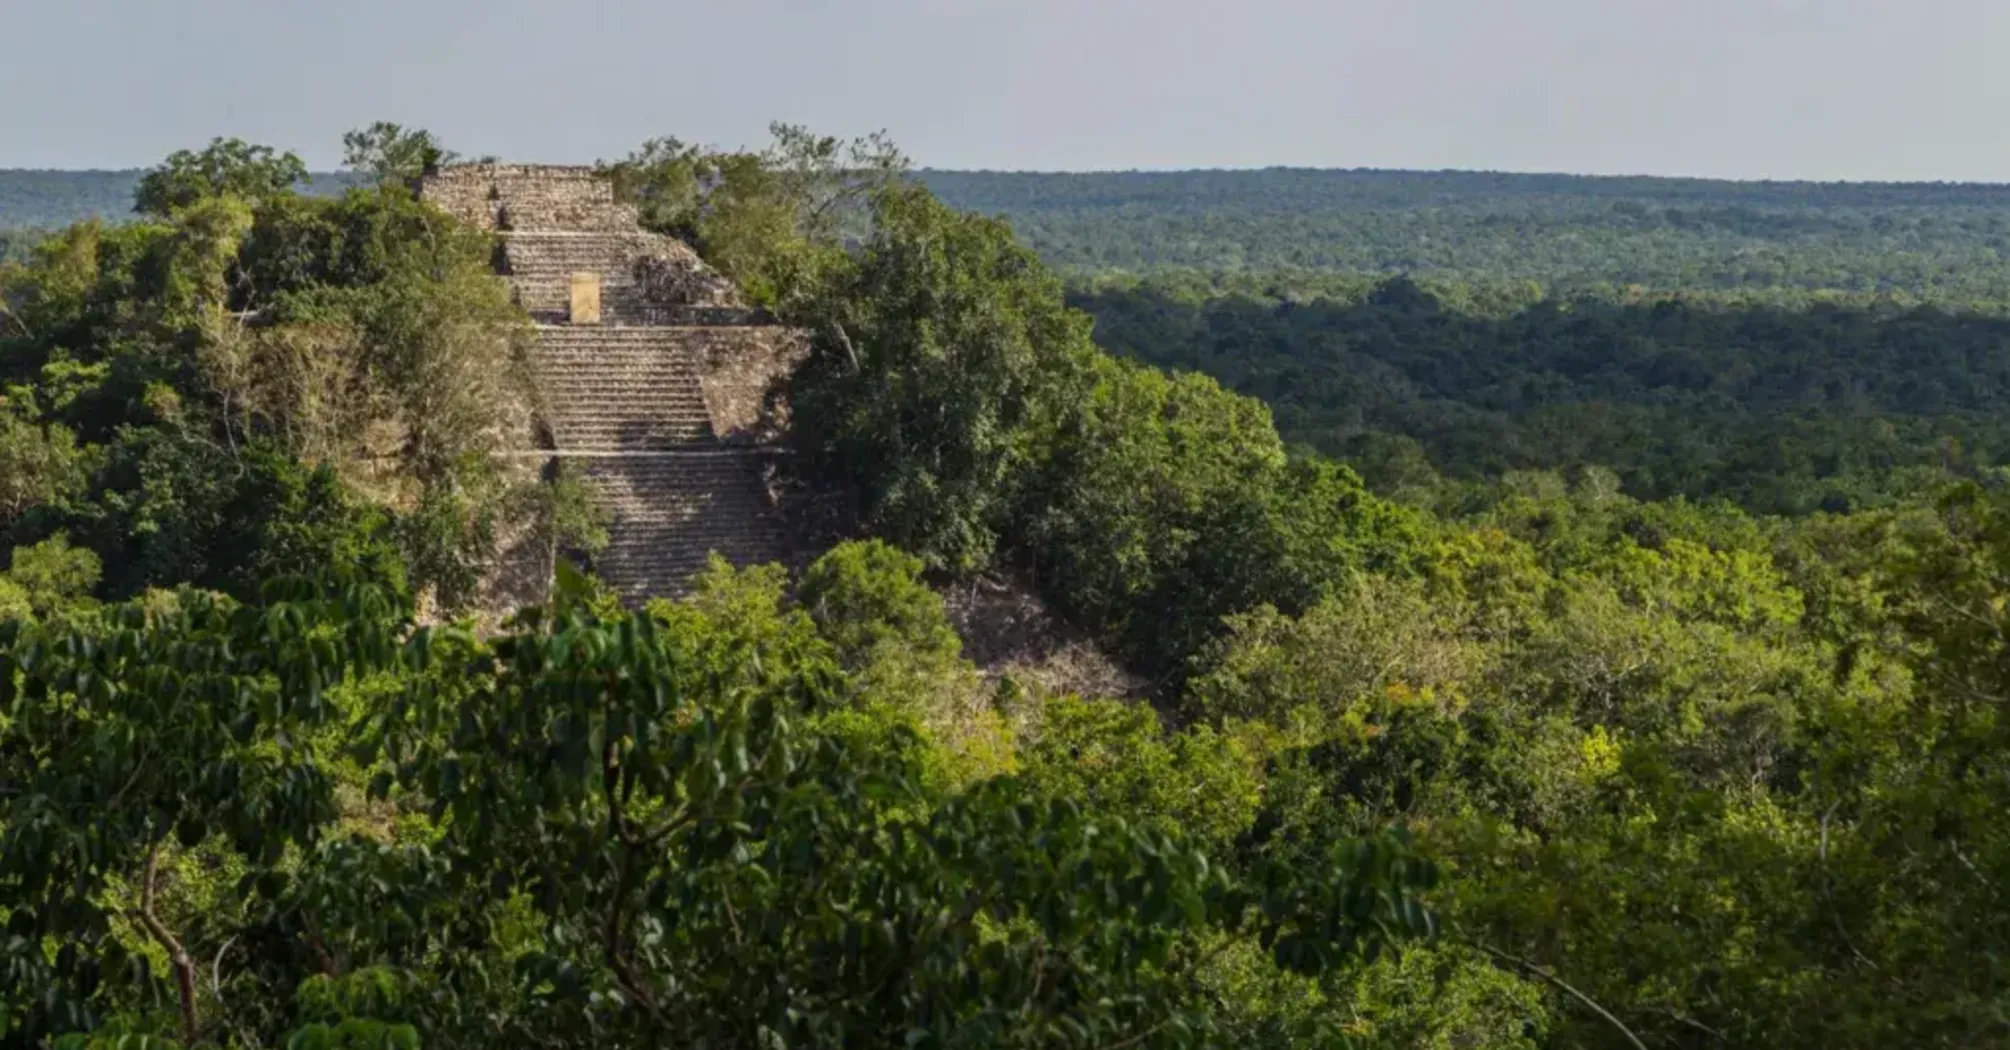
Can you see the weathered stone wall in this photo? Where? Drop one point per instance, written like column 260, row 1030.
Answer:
column 745, row 373
column 527, row 197
column 673, row 279
column 644, row 276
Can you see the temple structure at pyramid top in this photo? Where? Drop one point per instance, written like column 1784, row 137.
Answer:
column 654, row 377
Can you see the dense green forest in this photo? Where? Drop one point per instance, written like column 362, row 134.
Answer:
column 1545, row 765
column 1783, row 408
column 1563, row 231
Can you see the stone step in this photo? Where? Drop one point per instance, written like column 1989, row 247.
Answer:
column 628, row 434
column 540, row 265
column 649, row 335
column 576, row 416
column 668, row 513
column 656, row 367
column 521, row 216
column 634, row 311
column 627, row 305
column 564, row 338
column 539, row 249
column 618, row 392
column 612, row 369
column 632, row 400
column 614, row 387
column 668, row 354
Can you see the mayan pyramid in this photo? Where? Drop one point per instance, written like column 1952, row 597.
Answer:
column 654, row 377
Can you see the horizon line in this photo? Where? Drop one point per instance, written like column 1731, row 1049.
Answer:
column 1265, row 168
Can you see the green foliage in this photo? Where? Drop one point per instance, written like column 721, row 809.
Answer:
column 1115, row 756
column 226, row 167
column 943, row 351
column 1785, row 408
column 391, row 154
column 1686, row 777
column 1168, row 504
column 1500, row 230
column 1660, row 752
column 867, row 595
column 218, row 394
column 891, row 634
column 628, row 828
column 146, row 727
column 114, row 1036
column 17, row 246
column 971, row 423
column 1337, row 665
column 563, row 513
column 350, row 1012
column 771, row 221
column 177, row 509
column 38, row 464
column 52, row 574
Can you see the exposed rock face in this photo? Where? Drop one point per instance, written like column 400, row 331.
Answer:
column 672, row 403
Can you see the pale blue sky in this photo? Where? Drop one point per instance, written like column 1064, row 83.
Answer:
column 1901, row 89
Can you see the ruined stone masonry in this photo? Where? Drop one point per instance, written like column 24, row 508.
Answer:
column 655, row 378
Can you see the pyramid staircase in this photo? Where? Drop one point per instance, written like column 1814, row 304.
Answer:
column 648, row 400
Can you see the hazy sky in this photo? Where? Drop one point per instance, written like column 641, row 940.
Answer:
column 1901, row 89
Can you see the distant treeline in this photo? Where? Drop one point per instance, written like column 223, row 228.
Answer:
column 1567, row 231
column 41, row 199
column 50, row 199
column 1937, row 240
column 1295, row 190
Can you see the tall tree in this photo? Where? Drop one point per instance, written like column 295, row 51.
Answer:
column 391, row 154
column 226, row 167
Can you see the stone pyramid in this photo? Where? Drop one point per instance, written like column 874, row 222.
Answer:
column 655, row 380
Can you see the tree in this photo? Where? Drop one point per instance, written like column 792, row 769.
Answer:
column 868, row 594
column 52, row 574
column 38, row 464
column 124, row 735
column 775, row 220
column 391, row 154
column 709, row 866
column 189, row 354
column 227, row 167
column 630, row 827
column 941, row 355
